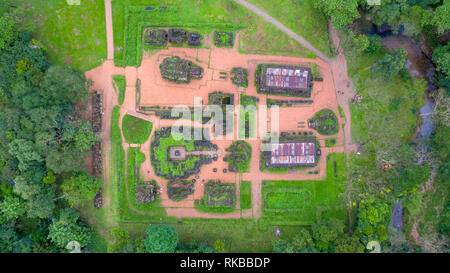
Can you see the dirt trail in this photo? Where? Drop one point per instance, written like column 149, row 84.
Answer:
column 109, row 30
column 343, row 83
column 102, row 82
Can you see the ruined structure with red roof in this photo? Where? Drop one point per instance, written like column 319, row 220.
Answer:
column 292, row 154
column 284, row 79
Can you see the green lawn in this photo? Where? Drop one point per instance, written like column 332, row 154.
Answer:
column 305, row 201
column 256, row 35
column 72, row 35
column 301, row 17
column 245, row 195
column 136, row 130
column 120, row 84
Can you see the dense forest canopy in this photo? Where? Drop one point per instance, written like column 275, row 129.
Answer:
column 43, row 144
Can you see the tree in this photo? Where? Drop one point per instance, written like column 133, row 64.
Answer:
column 7, row 31
column 66, row 228
column 374, row 44
column 39, row 197
column 326, row 232
column 441, row 18
column 302, row 240
column 390, row 64
column 80, row 186
column 121, row 240
column 25, row 152
column 341, row 12
column 347, row 244
column 282, row 246
column 8, row 237
column 12, row 207
column 441, row 57
column 361, row 42
column 79, row 135
column 219, row 245
column 63, row 84
column 195, row 246
column 161, row 239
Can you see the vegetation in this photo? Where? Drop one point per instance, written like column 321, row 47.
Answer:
column 136, row 130
column 80, row 186
column 161, row 239
column 71, row 35
column 173, row 169
column 330, row 142
column 260, row 37
column 223, row 39
column 120, row 85
column 238, row 156
column 218, row 198
column 43, row 140
column 324, row 122
column 303, row 202
column 296, row 15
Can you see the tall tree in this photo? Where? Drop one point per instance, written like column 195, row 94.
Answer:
column 80, row 186
column 67, row 228
column 161, row 239
column 341, row 12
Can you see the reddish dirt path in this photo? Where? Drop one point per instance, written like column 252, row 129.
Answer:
column 102, row 82
column 109, row 30
column 343, row 83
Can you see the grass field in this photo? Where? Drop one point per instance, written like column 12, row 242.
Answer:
column 245, row 195
column 258, row 37
column 136, row 130
column 120, row 84
column 72, row 35
column 301, row 17
column 304, row 201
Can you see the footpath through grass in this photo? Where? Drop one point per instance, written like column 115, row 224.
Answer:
column 73, row 35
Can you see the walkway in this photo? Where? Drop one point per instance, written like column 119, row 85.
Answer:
column 109, row 30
